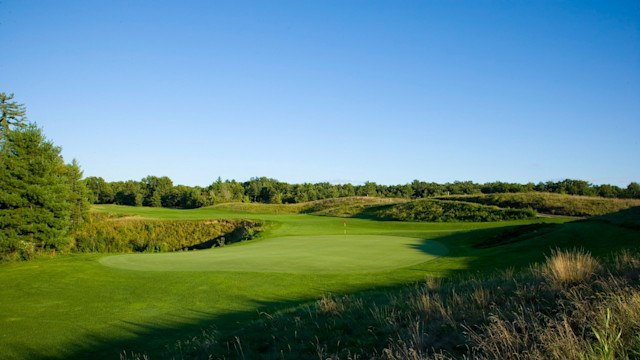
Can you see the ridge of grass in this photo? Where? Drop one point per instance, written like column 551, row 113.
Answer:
column 339, row 207
column 550, row 203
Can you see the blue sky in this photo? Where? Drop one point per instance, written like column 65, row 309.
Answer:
column 339, row 91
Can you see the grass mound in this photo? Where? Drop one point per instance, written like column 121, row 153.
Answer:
column 510, row 315
column 348, row 207
column 549, row 203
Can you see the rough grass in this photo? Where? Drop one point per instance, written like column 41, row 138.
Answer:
column 131, row 234
column 554, row 204
column 510, row 315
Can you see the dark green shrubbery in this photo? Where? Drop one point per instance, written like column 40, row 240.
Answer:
column 447, row 211
column 104, row 234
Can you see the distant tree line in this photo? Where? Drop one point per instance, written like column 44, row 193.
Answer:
column 160, row 191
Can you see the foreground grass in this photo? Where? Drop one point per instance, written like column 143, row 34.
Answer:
column 570, row 307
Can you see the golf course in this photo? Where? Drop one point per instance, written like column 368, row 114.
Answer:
column 99, row 305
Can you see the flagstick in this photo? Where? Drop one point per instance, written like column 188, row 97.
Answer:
column 345, row 229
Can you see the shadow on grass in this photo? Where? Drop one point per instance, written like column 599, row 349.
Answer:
column 152, row 339
column 519, row 246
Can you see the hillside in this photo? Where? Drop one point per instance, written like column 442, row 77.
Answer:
column 493, row 207
column 340, row 207
column 548, row 203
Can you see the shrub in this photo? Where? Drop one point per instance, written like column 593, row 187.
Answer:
column 448, row 211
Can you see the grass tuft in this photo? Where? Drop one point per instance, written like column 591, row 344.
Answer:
column 563, row 268
column 329, row 305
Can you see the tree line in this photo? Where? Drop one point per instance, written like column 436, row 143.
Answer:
column 161, row 192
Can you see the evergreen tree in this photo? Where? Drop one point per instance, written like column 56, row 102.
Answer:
column 78, row 195
column 13, row 114
column 34, row 195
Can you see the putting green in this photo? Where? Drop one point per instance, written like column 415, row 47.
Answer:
column 293, row 254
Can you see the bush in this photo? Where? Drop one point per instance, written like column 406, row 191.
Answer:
column 448, row 211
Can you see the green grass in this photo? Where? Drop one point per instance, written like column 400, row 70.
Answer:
column 323, row 254
column 546, row 311
column 75, row 306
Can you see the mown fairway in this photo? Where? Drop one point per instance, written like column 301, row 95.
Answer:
column 95, row 305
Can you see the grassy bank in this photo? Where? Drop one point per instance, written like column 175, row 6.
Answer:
column 555, row 204
column 125, row 234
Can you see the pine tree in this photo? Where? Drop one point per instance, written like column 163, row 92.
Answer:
column 13, row 114
column 34, row 195
column 78, row 196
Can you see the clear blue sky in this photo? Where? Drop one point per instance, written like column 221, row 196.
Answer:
column 339, row 91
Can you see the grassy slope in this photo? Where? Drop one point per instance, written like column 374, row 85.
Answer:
column 346, row 206
column 548, row 203
column 72, row 306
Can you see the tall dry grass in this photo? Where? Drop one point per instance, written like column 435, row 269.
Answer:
column 569, row 267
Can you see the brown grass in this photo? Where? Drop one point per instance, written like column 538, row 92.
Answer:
column 569, row 267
